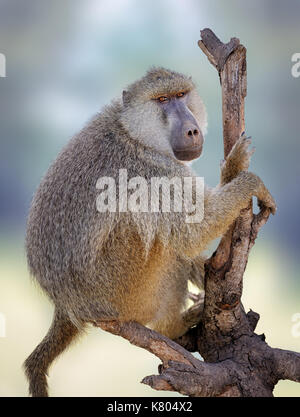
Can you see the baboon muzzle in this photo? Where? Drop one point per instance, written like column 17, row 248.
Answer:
column 186, row 136
column 189, row 145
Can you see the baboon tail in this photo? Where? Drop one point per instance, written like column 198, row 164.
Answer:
column 59, row 336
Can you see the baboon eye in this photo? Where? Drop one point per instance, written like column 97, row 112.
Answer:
column 162, row 99
column 181, row 94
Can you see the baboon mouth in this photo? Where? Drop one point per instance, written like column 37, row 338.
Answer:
column 188, row 154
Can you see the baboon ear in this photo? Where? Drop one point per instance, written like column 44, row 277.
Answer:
column 126, row 97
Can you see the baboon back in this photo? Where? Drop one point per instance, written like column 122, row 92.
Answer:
column 67, row 243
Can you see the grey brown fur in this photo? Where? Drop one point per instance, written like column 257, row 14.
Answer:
column 125, row 266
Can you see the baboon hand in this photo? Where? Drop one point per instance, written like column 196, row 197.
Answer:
column 238, row 160
column 265, row 199
column 257, row 188
column 268, row 202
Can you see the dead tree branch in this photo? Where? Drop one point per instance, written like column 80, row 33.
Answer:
column 237, row 362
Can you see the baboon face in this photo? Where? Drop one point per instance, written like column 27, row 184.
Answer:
column 185, row 137
column 164, row 111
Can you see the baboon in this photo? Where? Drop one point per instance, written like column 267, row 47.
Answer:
column 124, row 265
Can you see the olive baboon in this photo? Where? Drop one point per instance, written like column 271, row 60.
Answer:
column 121, row 265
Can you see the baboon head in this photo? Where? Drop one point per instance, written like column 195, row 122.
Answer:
column 164, row 111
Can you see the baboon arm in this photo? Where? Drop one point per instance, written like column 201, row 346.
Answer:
column 222, row 205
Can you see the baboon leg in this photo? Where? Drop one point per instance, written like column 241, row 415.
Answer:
column 172, row 327
column 59, row 336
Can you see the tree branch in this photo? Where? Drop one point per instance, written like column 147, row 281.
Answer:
column 180, row 370
column 141, row 336
column 206, row 380
column 287, row 364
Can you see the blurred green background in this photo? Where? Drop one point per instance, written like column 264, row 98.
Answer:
column 65, row 60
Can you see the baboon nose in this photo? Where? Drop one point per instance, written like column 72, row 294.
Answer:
column 192, row 133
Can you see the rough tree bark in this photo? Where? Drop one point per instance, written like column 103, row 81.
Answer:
column 237, row 361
